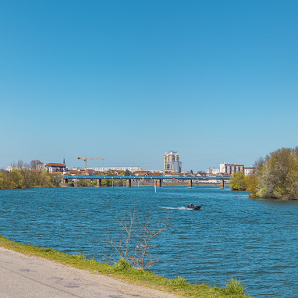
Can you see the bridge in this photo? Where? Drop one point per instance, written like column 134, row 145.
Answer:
column 157, row 179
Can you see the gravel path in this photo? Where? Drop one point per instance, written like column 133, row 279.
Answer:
column 25, row 276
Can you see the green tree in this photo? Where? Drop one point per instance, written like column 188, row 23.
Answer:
column 25, row 178
column 277, row 175
column 251, row 182
column 107, row 182
column 238, row 181
column 127, row 173
column 16, row 179
column 1, row 181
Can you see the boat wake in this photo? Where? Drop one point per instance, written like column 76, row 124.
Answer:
column 175, row 208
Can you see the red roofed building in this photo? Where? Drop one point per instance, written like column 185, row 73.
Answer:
column 142, row 173
column 73, row 172
column 119, row 172
column 155, row 174
column 55, row 167
column 171, row 174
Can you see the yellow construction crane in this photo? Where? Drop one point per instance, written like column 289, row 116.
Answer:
column 85, row 158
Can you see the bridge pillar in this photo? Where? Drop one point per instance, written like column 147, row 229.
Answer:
column 98, row 183
column 222, row 184
column 128, row 183
column 63, row 182
column 158, row 183
column 189, row 183
column 76, row 182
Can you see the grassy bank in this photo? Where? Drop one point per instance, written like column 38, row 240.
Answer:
column 123, row 270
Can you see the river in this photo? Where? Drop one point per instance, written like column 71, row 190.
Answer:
column 232, row 236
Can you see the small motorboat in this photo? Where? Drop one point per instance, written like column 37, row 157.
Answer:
column 194, row 207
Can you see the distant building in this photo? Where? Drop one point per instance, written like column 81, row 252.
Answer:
column 55, row 167
column 203, row 174
column 171, row 174
column 105, row 169
column 142, row 173
column 230, row 169
column 79, row 169
column 248, row 171
column 214, row 171
column 171, row 162
column 10, row 168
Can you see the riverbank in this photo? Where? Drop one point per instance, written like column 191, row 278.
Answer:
column 26, row 276
column 144, row 278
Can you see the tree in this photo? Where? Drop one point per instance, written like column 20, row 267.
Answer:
column 127, row 173
column 86, row 183
column 251, row 182
column 25, row 178
column 22, row 165
column 238, row 181
column 277, row 175
column 133, row 243
column 35, row 164
column 110, row 182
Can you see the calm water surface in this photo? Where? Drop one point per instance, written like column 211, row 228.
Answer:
column 254, row 241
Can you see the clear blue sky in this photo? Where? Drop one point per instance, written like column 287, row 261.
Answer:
column 128, row 80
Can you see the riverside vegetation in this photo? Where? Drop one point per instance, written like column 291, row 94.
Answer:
column 25, row 175
column 123, row 269
column 26, row 178
column 275, row 176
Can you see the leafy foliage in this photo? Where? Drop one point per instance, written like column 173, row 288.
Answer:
column 238, row 181
column 276, row 176
column 110, row 182
column 234, row 287
column 26, row 178
column 122, row 265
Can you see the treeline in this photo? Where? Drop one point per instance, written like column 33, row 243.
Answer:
column 27, row 178
column 275, row 176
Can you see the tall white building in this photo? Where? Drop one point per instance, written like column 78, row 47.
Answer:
column 171, row 162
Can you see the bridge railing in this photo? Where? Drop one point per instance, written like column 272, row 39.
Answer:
column 151, row 177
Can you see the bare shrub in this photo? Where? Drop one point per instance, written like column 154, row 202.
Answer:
column 133, row 241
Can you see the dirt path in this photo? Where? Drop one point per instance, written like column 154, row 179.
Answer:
column 25, row 276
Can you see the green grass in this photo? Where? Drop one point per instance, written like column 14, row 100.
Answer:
column 123, row 270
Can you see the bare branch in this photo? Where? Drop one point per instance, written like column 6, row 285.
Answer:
column 133, row 243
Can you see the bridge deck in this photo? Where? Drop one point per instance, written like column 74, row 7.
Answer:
column 149, row 177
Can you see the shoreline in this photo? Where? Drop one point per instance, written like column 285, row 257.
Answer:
column 144, row 278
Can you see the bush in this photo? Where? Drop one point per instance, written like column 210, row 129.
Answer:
column 178, row 282
column 234, row 287
column 122, row 265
